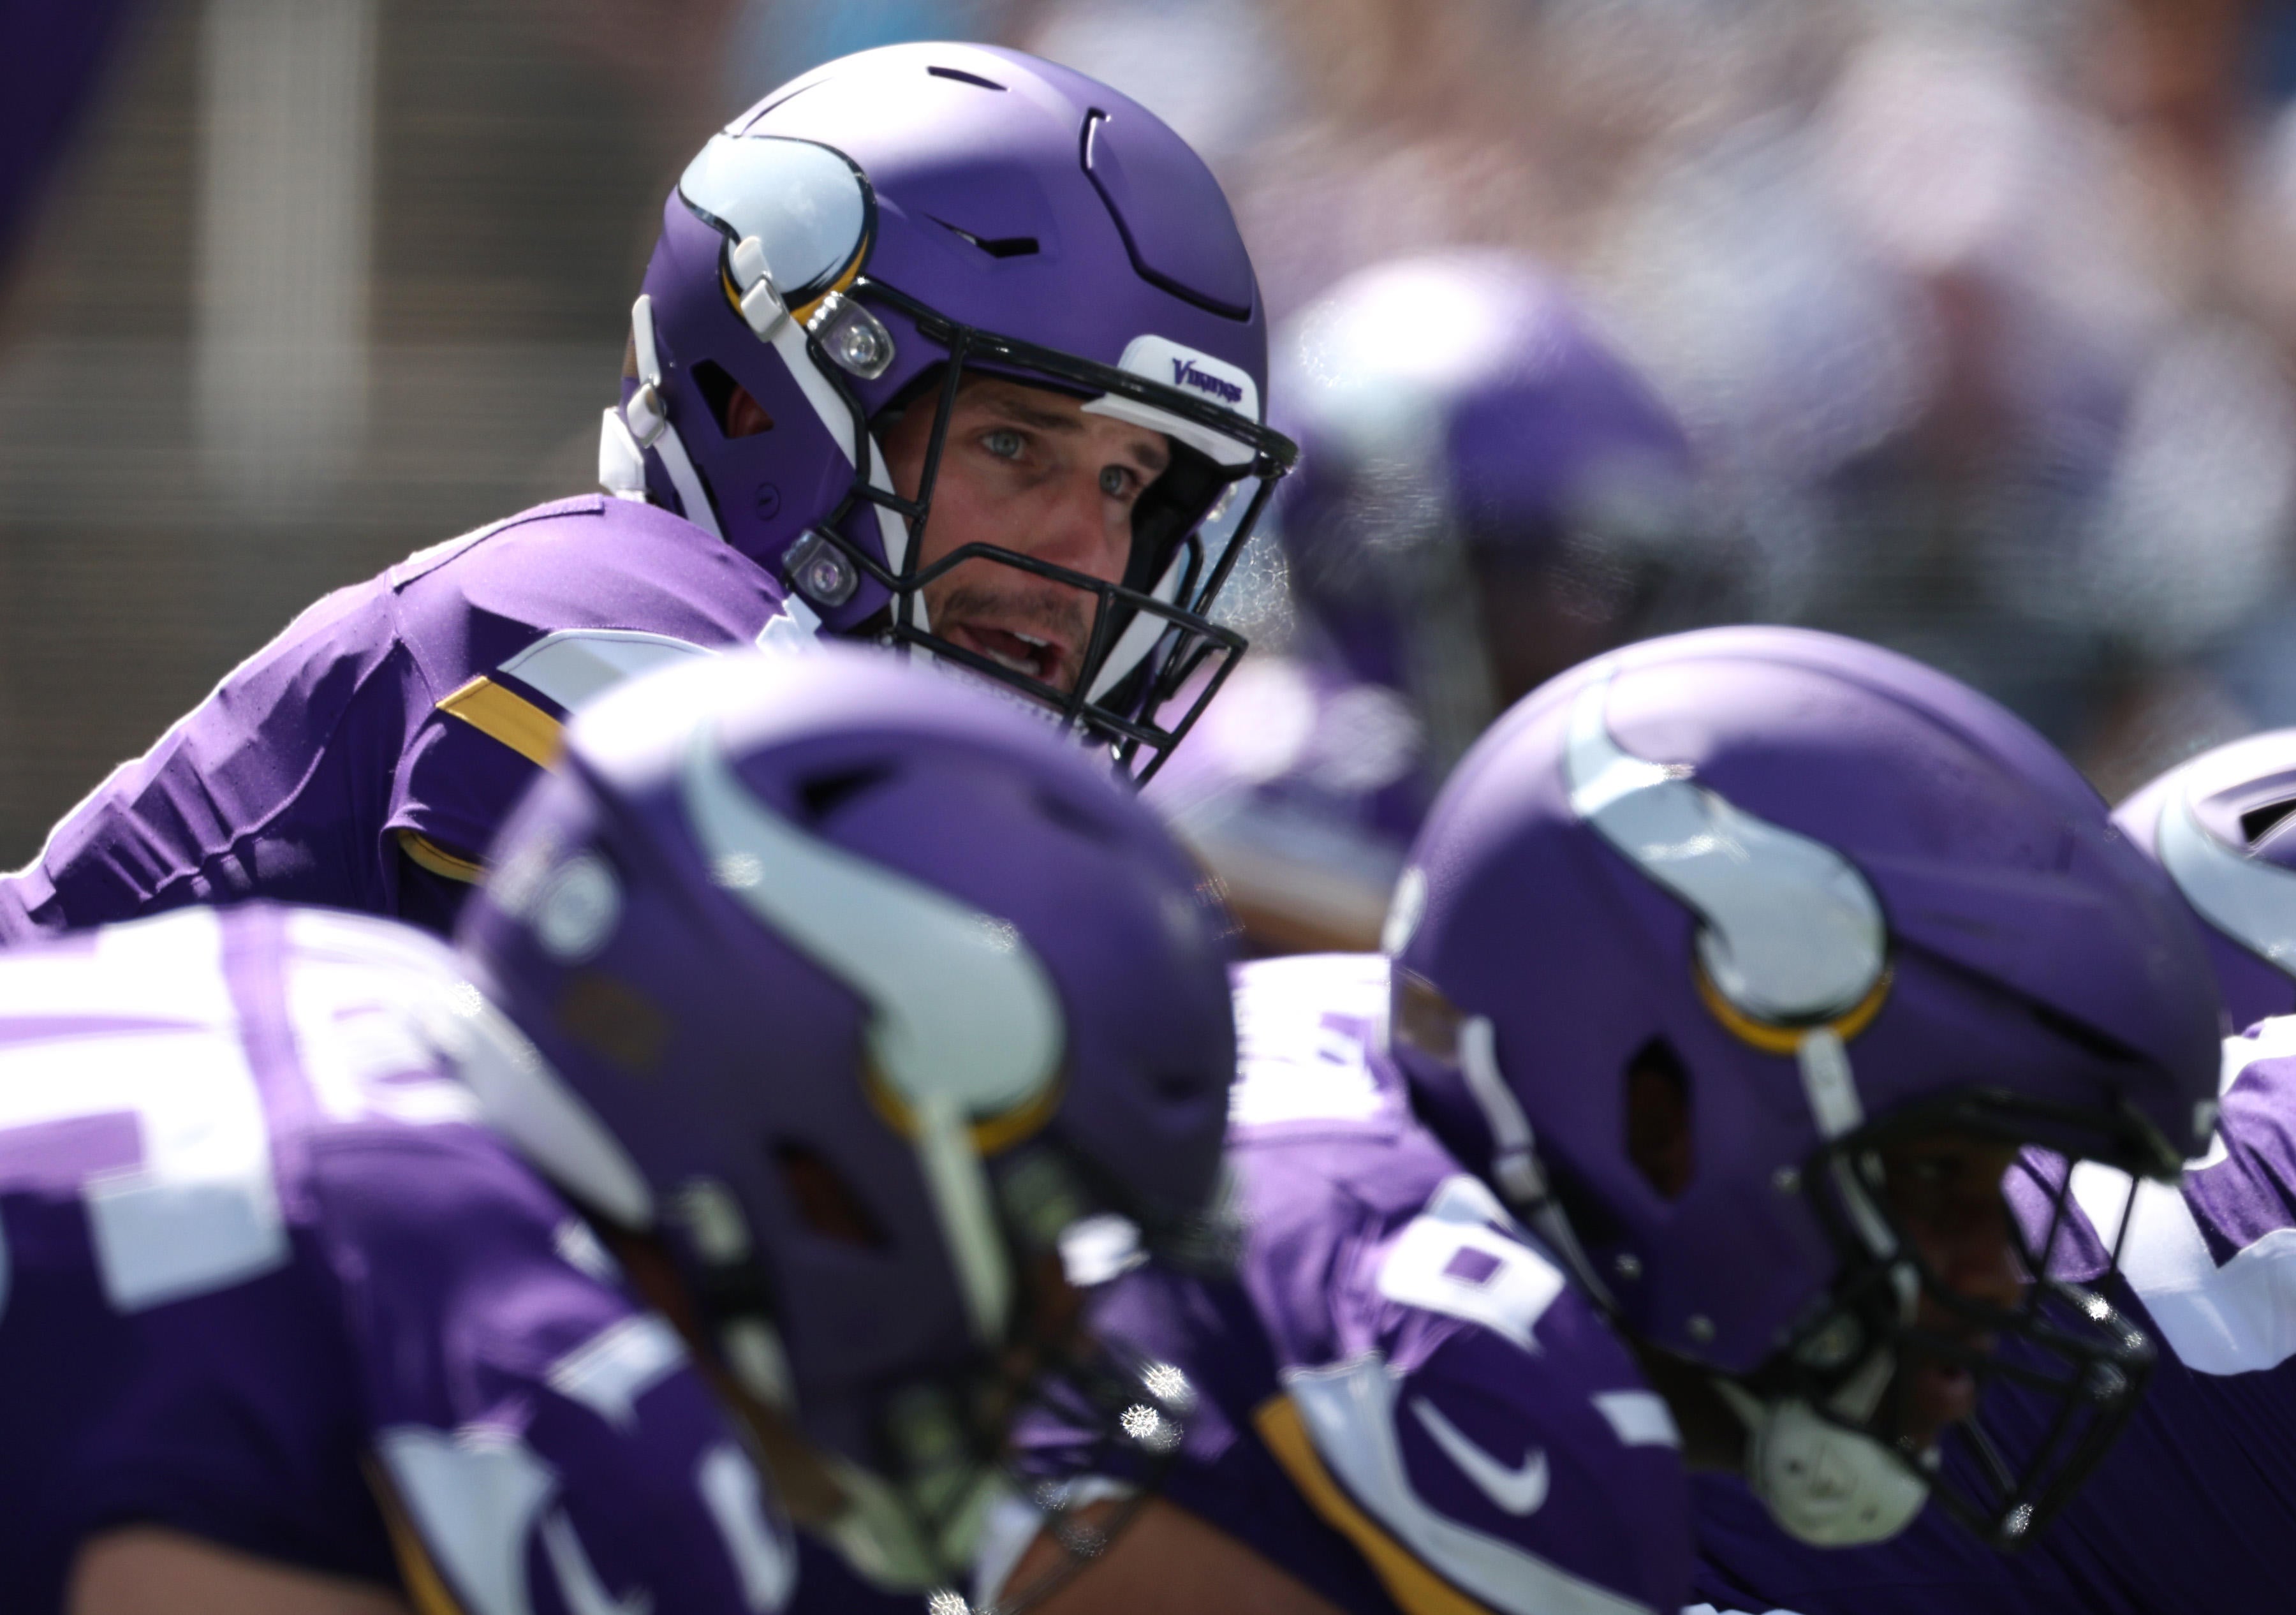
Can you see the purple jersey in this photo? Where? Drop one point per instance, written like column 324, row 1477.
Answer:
column 266, row 1280
column 2191, row 1511
column 1404, row 1402
column 393, row 724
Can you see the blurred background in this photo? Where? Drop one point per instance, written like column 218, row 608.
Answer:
column 1977, row 316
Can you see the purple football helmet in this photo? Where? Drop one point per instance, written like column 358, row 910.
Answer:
column 869, row 996
column 1843, row 901
column 1487, row 492
column 2223, row 824
column 876, row 230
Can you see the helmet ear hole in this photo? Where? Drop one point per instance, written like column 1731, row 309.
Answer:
column 1660, row 1139
column 824, row 794
column 825, row 1201
column 738, row 414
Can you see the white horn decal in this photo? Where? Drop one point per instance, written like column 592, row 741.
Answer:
column 1790, row 934
column 965, row 1024
column 2249, row 900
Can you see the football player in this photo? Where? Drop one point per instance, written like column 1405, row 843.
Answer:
column 1487, row 495
column 817, row 1006
column 2191, row 1511
column 1726, row 981
column 942, row 346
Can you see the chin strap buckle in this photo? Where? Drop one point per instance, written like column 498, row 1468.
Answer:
column 645, row 415
column 621, row 462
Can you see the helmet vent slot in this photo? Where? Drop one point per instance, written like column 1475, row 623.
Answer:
column 2258, row 823
column 824, row 1200
column 826, row 793
column 2085, row 1038
column 1002, row 246
column 961, row 77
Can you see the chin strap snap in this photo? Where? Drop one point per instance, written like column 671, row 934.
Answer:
column 1825, row 1485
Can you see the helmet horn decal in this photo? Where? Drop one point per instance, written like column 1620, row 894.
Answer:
column 1790, row 932
column 797, row 218
column 964, row 1025
column 2249, row 900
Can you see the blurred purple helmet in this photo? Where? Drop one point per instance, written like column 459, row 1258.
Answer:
column 1464, row 426
column 865, row 993
column 876, row 229
column 2221, row 824
column 1838, row 898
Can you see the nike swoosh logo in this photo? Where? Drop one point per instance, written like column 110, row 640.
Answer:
column 1519, row 1490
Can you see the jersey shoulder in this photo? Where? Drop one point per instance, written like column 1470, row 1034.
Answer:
column 594, row 564
column 1482, row 1438
column 1447, row 1401
column 519, row 624
column 2213, row 1259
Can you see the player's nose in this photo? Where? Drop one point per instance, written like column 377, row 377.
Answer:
column 1975, row 1254
column 1084, row 531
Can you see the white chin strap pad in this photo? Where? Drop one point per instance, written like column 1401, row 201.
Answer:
column 1825, row 1485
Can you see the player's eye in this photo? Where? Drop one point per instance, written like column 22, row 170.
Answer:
column 1003, row 442
column 1118, row 483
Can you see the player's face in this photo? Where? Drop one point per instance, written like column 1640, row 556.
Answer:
column 1944, row 1192
column 1029, row 470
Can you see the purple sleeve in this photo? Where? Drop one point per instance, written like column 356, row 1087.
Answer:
column 535, row 1430
column 260, row 791
column 454, row 786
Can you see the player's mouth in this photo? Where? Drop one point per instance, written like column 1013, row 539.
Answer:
column 1031, row 652
column 1942, row 1395
column 1939, row 1392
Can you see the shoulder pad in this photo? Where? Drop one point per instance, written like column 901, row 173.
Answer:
column 433, row 556
column 1475, row 1483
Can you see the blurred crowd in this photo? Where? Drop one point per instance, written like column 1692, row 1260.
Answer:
column 1975, row 321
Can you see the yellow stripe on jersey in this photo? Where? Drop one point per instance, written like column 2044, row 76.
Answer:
column 511, row 718
column 425, row 1587
column 1416, row 1589
column 428, row 854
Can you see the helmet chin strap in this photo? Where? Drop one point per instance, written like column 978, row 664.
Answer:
column 1822, row 1481
column 643, row 423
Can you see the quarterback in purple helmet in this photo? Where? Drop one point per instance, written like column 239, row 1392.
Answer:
column 941, row 345
column 1726, row 979
column 817, row 1008
column 1488, row 494
column 2191, row 1511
